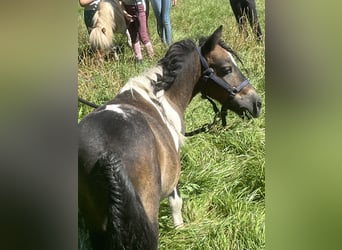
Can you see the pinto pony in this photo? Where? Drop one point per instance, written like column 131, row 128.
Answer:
column 107, row 20
column 243, row 9
column 129, row 148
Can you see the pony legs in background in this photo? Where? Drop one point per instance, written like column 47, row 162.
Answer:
column 243, row 9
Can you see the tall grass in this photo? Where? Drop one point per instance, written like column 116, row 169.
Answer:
column 223, row 176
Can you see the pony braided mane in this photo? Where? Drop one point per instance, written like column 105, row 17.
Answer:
column 174, row 60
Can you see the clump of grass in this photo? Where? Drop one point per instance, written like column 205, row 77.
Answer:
column 223, row 171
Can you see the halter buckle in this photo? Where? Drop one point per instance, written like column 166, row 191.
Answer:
column 208, row 73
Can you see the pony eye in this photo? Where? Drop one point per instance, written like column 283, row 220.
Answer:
column 228, row 70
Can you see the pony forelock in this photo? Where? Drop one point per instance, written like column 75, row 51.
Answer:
column 98, row 40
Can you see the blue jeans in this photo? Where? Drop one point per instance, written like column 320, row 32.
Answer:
column 162, row 11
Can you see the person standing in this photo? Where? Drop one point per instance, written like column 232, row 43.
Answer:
column 162, row 11
column 134, row 12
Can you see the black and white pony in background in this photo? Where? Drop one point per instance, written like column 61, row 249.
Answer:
column 247, row 9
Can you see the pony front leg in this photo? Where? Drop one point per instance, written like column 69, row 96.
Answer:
column 129, row 40
column 176, row 203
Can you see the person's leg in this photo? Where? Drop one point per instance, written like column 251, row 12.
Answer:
column 156, row 6
column 147, row 9
column 143, row 32
column 133, row 28
column 166, row 20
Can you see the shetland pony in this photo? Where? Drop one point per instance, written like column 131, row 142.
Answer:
column 129, row 148
column 243, row 9
column 107, row 20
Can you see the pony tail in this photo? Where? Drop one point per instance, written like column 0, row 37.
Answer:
column 101, row 36
column 128, row 225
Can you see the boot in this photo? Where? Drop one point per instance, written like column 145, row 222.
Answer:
column 149, row 48
column 137, row 51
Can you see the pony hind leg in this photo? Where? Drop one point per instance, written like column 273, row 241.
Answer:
column 176, row 203
column 114, row 52
column 239, row 10
column 129, row 40
column 254, row 22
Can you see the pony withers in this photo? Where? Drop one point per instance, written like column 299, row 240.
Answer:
column 129, row 148
column 107, row 20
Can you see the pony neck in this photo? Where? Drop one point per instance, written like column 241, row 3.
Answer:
column 181, row 91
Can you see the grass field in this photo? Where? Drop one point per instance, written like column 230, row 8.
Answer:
column 223, row 177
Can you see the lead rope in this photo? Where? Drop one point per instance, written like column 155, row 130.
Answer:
column 206, row 127
column 90, row 104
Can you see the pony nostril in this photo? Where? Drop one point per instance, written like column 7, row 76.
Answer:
column 257, row 107
column 259, row 104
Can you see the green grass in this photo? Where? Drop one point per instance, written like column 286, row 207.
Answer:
column 223, row 176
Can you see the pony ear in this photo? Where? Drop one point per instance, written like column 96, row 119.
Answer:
column 211, row 42
column 103, row 30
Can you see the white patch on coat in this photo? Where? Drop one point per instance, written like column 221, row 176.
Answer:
column 176, row 204
column 232, row 58
column 174, row 122
column 142, row 85
column 116, row 108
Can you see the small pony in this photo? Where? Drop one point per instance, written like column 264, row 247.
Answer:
column 107, row 20
column 129, row 148
column 243, row 8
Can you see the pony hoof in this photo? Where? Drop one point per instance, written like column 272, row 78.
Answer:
column 179, row 226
